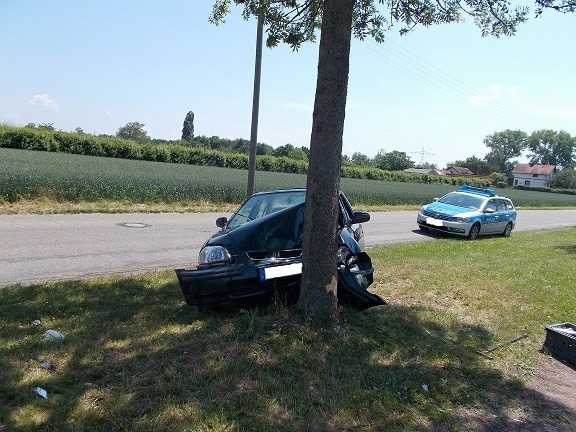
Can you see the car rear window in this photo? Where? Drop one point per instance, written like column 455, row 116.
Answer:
column 259, row 206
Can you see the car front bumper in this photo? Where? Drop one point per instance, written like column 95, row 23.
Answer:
column 244, row 283
column 449, row 227
column 230, row 284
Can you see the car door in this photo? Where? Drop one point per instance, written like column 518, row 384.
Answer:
column 490, row 217
column 508, row 213
column 501, row 216
column 354, row 229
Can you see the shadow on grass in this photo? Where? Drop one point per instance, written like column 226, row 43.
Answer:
column 571, row 249
column 137, row 358
column 446, row 235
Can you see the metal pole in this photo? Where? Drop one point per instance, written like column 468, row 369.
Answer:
column 255, row 107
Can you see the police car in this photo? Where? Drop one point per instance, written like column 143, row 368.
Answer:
column 469, row 212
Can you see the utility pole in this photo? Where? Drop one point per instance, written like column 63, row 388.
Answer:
column 255, row 107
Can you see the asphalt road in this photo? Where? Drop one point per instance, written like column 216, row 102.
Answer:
column 54, row 247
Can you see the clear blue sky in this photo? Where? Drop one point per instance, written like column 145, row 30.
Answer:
column 98, row 65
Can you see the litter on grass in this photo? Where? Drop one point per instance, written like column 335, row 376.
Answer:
column 40, row 392
column 45, row 364
column 52, row 335
column 36, row 323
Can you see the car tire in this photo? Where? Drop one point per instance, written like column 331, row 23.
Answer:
column 474, row 232
column 508, row 230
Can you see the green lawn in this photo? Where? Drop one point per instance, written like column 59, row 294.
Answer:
column 137, row 358
column 72, row 178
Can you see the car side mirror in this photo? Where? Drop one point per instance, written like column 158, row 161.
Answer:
column 221, row 222
column 360, row 217
column 490, row 210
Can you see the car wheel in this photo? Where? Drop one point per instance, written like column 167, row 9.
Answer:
column 474, row 232
column 508, row 230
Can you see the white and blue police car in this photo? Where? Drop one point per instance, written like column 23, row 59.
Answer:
column 469, row 212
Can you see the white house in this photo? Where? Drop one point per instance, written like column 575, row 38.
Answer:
column 533, row 175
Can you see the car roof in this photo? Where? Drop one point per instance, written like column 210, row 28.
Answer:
column 485, row 192
column 486, row 198
column 280, row 191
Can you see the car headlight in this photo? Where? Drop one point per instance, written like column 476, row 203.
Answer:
column 459, row 219
column 213, row 255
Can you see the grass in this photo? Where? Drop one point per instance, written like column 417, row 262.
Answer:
column 29, row 175
column 45, row 205
column 137, row 358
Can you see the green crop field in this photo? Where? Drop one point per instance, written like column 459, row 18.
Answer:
column 67, row 177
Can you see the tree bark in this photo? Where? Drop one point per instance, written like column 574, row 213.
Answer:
column 318, row 297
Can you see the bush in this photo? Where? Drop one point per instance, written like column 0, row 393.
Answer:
column 196, row 153
column 545, row 189
column 498, row 179
column 565, row 179
column 237, row 160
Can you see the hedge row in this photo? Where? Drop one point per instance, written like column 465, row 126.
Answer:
column 56, row 141
column 546, row 189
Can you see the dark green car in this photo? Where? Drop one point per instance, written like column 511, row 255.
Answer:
column 257, row 255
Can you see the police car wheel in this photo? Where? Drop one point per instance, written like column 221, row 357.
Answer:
column 474, row 232
column 508, row 230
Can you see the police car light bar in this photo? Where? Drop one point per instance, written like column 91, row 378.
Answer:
column 489, row 192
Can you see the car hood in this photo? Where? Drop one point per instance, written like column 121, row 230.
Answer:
column 277, row 231
column 448, row 209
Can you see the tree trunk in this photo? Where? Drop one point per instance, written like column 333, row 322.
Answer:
column 318, row 298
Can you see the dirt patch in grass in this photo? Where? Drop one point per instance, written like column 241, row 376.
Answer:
column 556, row 381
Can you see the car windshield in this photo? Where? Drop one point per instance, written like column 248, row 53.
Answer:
column 462, row 200
column 262, row 205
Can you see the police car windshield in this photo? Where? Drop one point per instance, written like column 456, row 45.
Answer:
column 462, row 200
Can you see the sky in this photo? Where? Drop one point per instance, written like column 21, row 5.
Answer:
column 99, row 65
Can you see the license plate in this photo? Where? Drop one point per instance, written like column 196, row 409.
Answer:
column 280, row 271
column 435, row 222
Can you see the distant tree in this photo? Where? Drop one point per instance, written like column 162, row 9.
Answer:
column 133, row 131
column 360, row 159
column 551, row 147
column 79, row 130
column 42, row 126
column 505, row 146
column 565, row 179
column 283, row 150
column 236, row 145
column 288, row 150
column 46, row 126
column 188, row 127
column 427, row 165
column 474, row 164
column 393, row 161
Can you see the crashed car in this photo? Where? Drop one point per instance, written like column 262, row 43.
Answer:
column 257, row 255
